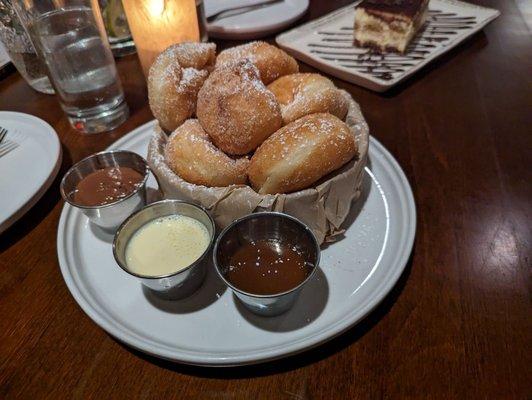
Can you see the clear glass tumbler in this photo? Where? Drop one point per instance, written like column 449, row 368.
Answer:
column 70, row 37
column 21, row 51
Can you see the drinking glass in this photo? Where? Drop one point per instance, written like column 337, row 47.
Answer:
column 70, row 37
column 21, row 51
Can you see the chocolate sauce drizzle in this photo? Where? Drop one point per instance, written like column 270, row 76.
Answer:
column 338, row 46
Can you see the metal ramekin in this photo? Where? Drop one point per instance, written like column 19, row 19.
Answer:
column 266, row 226
column 179, row 284
column 108, row 216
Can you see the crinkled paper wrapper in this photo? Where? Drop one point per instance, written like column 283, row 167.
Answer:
column 323, row 208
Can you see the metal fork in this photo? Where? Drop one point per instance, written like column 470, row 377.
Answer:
column 6, row 145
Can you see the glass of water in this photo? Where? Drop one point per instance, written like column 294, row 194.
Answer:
column 70, row 37
column 21, row 50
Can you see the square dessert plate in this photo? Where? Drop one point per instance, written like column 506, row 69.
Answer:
column 327, row 43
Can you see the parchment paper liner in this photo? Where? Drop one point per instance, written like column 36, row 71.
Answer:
column 323, row 208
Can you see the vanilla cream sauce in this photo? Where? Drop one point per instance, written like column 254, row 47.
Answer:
column 166, row 245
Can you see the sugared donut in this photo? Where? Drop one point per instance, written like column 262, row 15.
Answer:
column 194, row 55
column 236, row 110
column 191, row 155
column 304, row 93
column 271, row 61
column 174, row 80
column 300, row 153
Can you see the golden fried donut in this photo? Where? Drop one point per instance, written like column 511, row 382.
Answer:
column 191, row 155
column 236, row 110
column 174, row 80
column 303, row 94
column 300, row 153
column 271, row 61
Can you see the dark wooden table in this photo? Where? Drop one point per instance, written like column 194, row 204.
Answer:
column 457, row 325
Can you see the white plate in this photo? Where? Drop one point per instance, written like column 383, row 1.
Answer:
column 29, row 170
column 327, row 43
column 258, row 23
column 210, row 327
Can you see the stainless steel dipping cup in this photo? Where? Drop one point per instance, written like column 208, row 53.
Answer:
column 266, row 226
column 109, row 216
column 179, row 284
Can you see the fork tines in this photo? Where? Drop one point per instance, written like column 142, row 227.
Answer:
column 6, row 147
column 3, row 133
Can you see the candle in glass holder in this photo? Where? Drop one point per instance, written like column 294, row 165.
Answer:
column 157, row 24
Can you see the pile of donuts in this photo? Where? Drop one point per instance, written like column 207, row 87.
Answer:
column 247, row 116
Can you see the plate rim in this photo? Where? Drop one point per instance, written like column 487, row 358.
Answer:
column 117, row 330
column 46, row 183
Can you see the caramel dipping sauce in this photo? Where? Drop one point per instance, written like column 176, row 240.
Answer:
column 267, row 267
column 106, row 186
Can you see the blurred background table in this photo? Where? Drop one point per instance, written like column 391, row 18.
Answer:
column 457, row 325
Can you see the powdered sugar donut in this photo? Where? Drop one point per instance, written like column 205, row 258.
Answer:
column 300, row 153
column 236, row 109
column 302, row 94
column 191, row 155
column 174, row 80
column 271, row 61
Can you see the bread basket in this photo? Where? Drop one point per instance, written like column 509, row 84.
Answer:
column 323, row 207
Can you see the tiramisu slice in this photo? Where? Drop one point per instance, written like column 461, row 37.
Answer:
column 388, row 25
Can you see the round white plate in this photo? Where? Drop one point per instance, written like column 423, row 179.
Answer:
column 27, row 171
column 259, row 22
column 211, row 327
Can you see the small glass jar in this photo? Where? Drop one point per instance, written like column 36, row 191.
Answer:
column 21, row 51
column 157, row 24
column 117, row 27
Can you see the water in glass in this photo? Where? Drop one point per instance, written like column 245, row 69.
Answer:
column 81, row 67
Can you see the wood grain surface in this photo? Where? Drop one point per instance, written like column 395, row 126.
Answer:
column 457, row 325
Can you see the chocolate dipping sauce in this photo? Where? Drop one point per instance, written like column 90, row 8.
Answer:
column 106, row 186
column 267, row 267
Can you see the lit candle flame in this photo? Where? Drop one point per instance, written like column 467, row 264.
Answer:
column 156, row 7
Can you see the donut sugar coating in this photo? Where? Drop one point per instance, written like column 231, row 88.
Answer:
column 271, row 61
column 174, row 80
column 190, row 154
column 236, row 109
column 300, row 153
column 306, row 93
